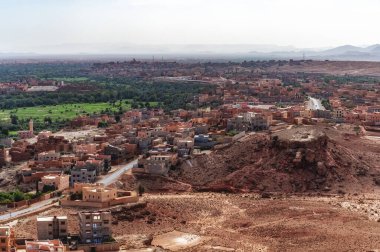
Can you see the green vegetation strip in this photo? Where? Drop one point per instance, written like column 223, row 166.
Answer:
column 70, row 79
column 66, row 111
column 16, row 196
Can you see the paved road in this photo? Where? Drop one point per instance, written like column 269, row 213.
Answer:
column 32, row 208
column 315, row 104
column 112, row 177
column 109, row 179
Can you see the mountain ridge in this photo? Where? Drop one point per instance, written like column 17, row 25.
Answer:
column 247, row 51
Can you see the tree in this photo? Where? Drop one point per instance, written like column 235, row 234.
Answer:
column 326, row 104
column 76, row 196
column 117, row 118
column 48, row 120
column 5, row 132
column 14, row 119
column 140, row 189
column 102, row 124
column 18, row 196
column 134, row 105
column 107, row 166
column 48, row 188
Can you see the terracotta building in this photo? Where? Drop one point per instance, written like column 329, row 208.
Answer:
column 43, row 246
column 58, row 181
column 49, row 228
column 7, row 241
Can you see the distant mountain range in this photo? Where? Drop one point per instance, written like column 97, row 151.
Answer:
column 349, row 49
column 205, row 51
column 346, row 52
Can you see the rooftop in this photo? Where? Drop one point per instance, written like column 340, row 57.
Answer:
column 50, row 218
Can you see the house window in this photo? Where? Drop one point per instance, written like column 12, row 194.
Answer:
column 97, row 217
column 63, row 223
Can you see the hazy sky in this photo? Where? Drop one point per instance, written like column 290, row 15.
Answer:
column 27, row 25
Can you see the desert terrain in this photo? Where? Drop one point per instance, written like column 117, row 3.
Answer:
column 305, row 188
column 239, row 222
column 354, row 68
column 339, row 159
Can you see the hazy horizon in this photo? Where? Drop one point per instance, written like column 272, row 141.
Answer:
column 113, row 26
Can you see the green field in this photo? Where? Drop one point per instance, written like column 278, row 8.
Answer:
column 70, row 79
column 64, row 111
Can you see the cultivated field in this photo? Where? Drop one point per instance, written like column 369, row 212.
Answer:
column 70, row 79
column 64, row 111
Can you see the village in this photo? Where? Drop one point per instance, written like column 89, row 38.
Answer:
column 189, row 126
column 84, row 165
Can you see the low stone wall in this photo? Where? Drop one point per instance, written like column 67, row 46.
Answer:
column 133, row 198
column 238, row 136
column 81, row 203
column 29, row 202
column 137, row 170
column 124, row 200
column 11, row 218
column 18, row 204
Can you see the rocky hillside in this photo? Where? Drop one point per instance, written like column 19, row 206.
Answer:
column 301, row 159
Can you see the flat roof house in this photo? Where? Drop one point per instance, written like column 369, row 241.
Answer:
column 49, row 228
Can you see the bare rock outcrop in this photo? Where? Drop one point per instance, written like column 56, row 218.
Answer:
column 301, row 159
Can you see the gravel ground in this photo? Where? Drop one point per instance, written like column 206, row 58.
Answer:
column 243, row 222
